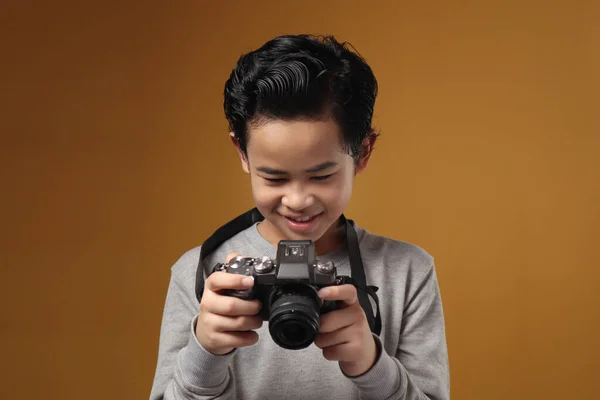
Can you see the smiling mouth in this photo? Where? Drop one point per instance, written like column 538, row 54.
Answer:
column 303, row 219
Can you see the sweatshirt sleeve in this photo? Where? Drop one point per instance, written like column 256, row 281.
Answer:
column 185, row 370
column 419, row 370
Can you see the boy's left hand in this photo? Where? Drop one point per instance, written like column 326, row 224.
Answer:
column 344, row 334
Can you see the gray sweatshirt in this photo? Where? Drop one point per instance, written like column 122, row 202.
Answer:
column 413, row 363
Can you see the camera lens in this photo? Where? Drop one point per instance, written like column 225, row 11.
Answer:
column 294, row 318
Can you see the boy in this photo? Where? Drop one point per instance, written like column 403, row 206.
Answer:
column 299, row 110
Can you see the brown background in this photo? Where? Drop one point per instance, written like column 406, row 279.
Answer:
column 115, row 160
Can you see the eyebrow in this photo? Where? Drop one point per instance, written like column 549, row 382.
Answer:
column 316, row 168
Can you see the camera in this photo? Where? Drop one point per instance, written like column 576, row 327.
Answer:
column 287, row 289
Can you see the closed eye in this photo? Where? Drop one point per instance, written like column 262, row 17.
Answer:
column 322, row 177
column 283, row 180
column 275, row 180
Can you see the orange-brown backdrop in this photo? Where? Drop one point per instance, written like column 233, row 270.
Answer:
column 115, row 160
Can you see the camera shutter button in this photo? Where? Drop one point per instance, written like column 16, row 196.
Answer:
column 264, row 265
column 237, row 262
column 325, row 268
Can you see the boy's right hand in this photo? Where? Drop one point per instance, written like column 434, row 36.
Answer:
column 226, row 322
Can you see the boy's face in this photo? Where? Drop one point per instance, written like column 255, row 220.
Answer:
column 301, row 179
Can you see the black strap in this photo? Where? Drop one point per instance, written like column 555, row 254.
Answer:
column 357, row 272
column 221, row 235
column 249, row 218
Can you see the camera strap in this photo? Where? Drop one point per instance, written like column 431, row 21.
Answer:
column 358, row 279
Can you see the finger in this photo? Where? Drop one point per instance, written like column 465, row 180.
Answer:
column 222, row 280
column 324, row 340
column 338, row 319
column 345, row 293
column 233, row 339
column 338, row 352
column 228, row 305
column 235, row 324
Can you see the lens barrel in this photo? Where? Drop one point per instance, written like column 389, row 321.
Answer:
column 294, row 316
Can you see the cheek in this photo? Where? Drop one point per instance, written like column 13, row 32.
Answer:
column 264, row 196
column 334, row 195
column 338, row 193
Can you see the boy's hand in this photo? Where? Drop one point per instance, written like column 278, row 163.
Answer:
column 225, row 322
column 344, row 334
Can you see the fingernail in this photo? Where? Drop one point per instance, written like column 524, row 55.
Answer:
column 323, row 293
column 248, row 281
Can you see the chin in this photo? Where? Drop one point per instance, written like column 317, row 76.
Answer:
column 314, row 236
column 280, row 223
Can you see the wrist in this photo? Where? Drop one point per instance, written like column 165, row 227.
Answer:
column 199, row 367
column 361, row 367
column 211, row 350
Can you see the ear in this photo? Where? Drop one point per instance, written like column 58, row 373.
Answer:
column 366, row 151
column 241, row 154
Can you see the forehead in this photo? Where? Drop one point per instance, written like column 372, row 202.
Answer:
column 294, row 145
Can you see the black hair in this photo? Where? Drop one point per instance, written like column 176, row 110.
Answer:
column 295, row 77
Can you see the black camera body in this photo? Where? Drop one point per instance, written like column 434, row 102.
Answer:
column 287, row 289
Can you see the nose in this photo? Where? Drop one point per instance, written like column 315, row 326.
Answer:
column 297, row 199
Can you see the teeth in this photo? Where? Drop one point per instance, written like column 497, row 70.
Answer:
column 304, row 219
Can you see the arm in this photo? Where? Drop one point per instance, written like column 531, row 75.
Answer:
column 419, row 370
column 185, row 370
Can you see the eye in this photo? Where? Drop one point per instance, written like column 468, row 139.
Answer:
column 275, row 180
column 322, row 177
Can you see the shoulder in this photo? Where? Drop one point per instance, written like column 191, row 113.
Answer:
column 186, row 265
column 391, row 248
column 399, row 268
column 396, row 258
